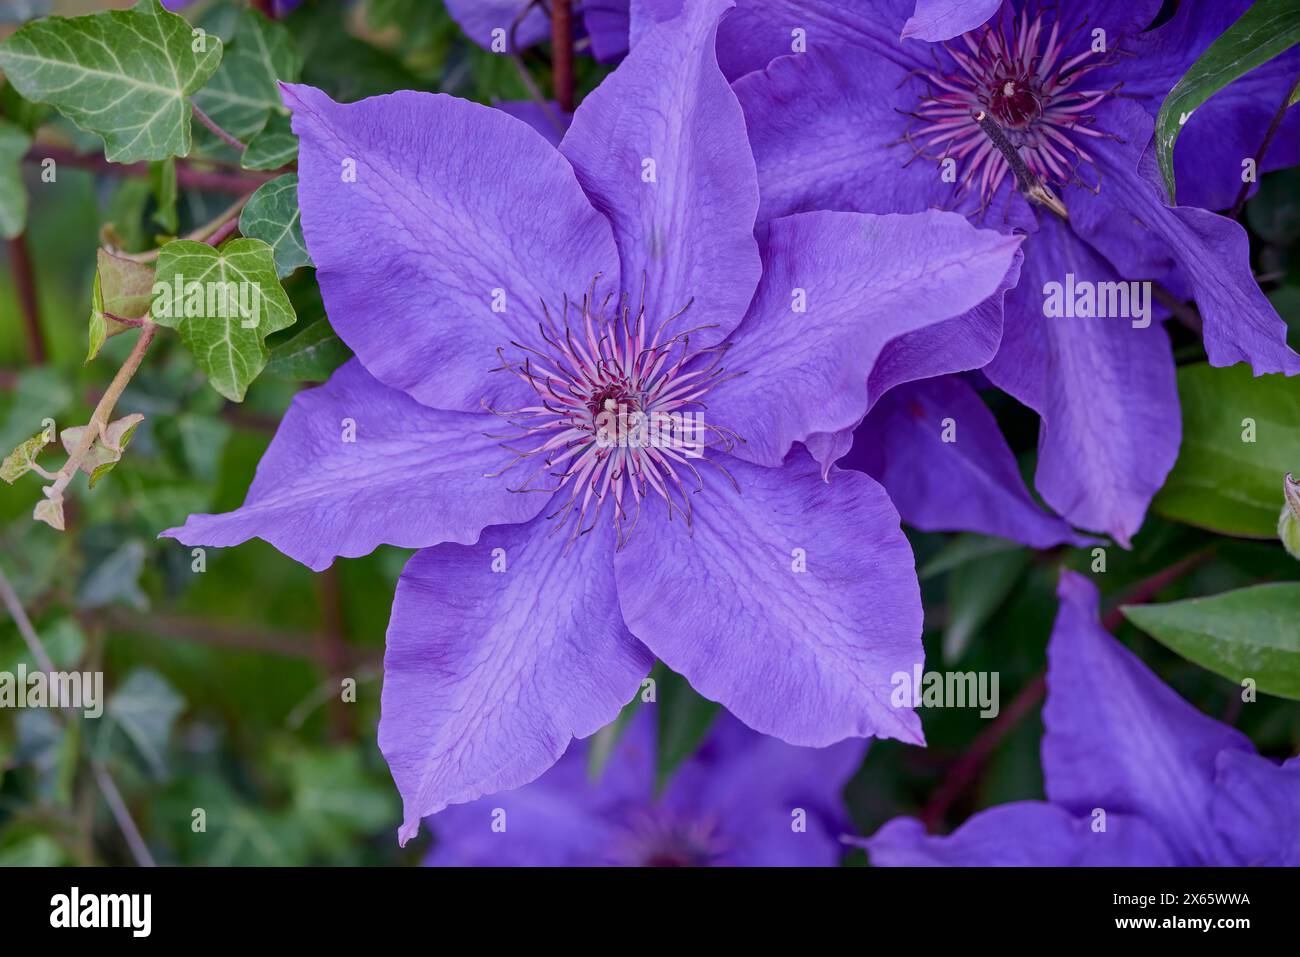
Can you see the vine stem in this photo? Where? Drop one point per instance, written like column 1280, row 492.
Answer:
column 103, row 410
column 1263, row 148
column 237, row 145
column 562, row 45
column 187, row 176
column 20, row 258
column 107, row 786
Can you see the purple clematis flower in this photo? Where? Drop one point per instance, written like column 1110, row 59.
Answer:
column 863, row 120
column 741, row 800
column 493, row 24
column 1135, row 775
column 508, row 303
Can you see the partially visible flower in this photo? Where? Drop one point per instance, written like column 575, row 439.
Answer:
column 507, row 303
column 1134, row 775
column 502, row 25
column 742, row 799
column 858, row 119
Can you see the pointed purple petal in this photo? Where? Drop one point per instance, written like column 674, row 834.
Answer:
column 498, row 654
column 1256, row 807
column 607, row 26
column 1117, row 738
column 663, row 153
column 1105, row 391
column 971, row 484
column 849, row 305
column 355, row 464
column 793, row 602
column 428, row 266
column 945, row 19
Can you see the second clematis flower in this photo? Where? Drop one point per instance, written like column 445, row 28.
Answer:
column 512, row 307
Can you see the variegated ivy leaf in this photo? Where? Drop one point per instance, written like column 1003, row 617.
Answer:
column 20, row 461
column 244, row 91
column 224, row 302
column 125, row 75
column 13, row 196
column 106, row 451
column 123, row 289
column 273, row 147
column 272, row 215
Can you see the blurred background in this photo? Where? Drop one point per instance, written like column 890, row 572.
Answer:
column 224, row 685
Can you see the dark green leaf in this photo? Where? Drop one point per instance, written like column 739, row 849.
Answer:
column 272, row 216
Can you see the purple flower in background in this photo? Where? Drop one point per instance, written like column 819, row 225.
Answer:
column 741, row 800
column 1134, row 775
column 494, row 24
column 511, row 306
column 866, row 121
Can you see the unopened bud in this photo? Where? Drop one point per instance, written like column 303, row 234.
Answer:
column 1288, row 524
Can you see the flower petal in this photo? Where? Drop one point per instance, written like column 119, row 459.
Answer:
column 970, row 484
column 663, row 153
column 498, row 654
column 793, row 602
column 1256, row 807
column 1021, row 834
column 355, row 464
column 427, row 266
column 481, row 18
column 1119, row 739
column 944, row 19
column 1213, row 252
column 607, row 26
column 850, row 305
column 1105, row 391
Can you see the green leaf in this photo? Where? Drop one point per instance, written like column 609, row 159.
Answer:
column 273, row 147
column 605, row 741
column 125, row 75
column 1267, row 29
column 1220, row 481
column 106, row 449
column 243, row 93
column 13, row 195
column 335, row 798
column 122, row 288
column 1249, row 633
column 224, row 302
column 975, row 590
column 43, row 394
column 145, row 708
column 684, row 720
column 271, row 215
column 162, row 181
column 311, row 355
column 19, row 462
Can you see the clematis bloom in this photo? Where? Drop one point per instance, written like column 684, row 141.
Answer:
column 741, row 800
column 1135, row 775
column 509, row 304
column 868, row 118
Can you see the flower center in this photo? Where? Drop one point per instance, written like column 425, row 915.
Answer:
column 656, row 837
column 1014, row 74
column 617, row 414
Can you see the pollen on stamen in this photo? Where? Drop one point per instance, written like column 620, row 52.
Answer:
column 1015, row 72
column 617, row 414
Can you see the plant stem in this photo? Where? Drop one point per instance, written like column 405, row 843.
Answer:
column 237, row 145
column 20, row 258
column 187, row 175
column 1263, row 148
column 562, row 46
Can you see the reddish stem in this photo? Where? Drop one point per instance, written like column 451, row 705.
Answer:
column 186, row 176
column 20, row 259
column 562, row 43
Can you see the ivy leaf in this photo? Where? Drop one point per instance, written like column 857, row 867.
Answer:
column 116, row 578
column 224, row 302
column 273, row 147
column 1241, row 434
column 244, row 91
column 20, row 461
column 1249, row 633
column 311, row 355
column 122, row 287
column 1267, row 29
column 13, row 195
column 107, row 448
column 145, row 708
column 50, row 511
column 272, row 215
column 125, row 75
